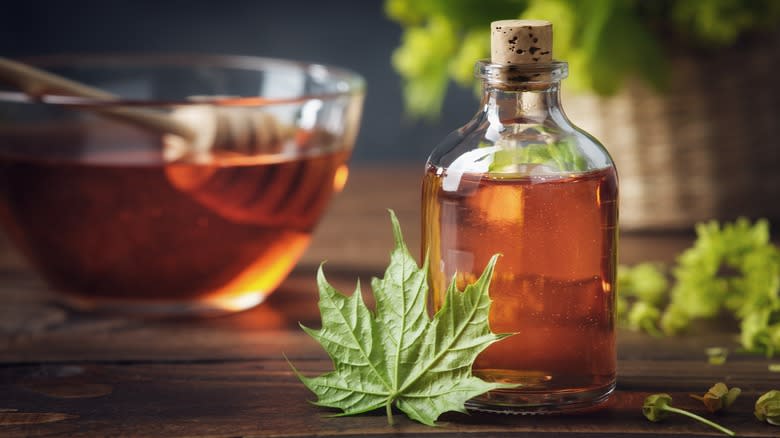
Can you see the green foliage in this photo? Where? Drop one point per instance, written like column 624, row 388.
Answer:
column 733, row 268
column 642, row 289
column 424, row 55
column 720, row 22
column 441, row 38
column 399, row 355
column 736, row 268
column 474, row 45
column 644, row 316
column 645, row 281
column 605, row 41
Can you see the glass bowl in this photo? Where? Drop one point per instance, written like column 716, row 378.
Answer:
column 119, row 215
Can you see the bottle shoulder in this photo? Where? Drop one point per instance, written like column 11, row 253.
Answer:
column 552, row 145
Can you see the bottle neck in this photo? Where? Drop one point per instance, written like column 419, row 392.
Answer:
column 521, row 104
column 522, row 94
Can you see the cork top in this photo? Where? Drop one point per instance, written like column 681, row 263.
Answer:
column 521, row 42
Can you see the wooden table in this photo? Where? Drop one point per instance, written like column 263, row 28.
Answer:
column 69, row 374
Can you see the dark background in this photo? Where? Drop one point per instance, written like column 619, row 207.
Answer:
column 348, row 33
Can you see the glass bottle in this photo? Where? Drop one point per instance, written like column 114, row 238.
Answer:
column 521, row 180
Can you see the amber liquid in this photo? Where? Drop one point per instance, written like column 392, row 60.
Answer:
column 119, row 225
column 553, row 285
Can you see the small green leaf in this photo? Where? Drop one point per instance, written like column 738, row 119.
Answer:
column 401, row 356
column 719, row 397
column 768, row 407
column 717, row 355
column 657, row 406
column 653, row 407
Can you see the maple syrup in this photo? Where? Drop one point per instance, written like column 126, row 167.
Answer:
column 553, row 285
column 117, row 227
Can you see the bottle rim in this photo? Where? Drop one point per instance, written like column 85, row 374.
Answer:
column 531, row 74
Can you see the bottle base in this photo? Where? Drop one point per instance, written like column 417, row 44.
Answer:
column 536, row 402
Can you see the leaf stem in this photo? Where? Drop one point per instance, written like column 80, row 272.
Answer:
column 717, row 426
column 389, row 409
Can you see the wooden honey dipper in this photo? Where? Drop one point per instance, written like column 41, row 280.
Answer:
column 191, row 135
column 190, row 131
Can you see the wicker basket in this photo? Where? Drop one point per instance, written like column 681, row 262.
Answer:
column 708, row 148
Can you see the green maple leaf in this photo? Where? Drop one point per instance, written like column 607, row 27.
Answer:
column 399, row 355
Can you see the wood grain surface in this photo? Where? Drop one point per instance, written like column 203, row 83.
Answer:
column 63, row 373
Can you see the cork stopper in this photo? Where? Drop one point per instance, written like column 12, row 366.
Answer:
column 521, row 42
